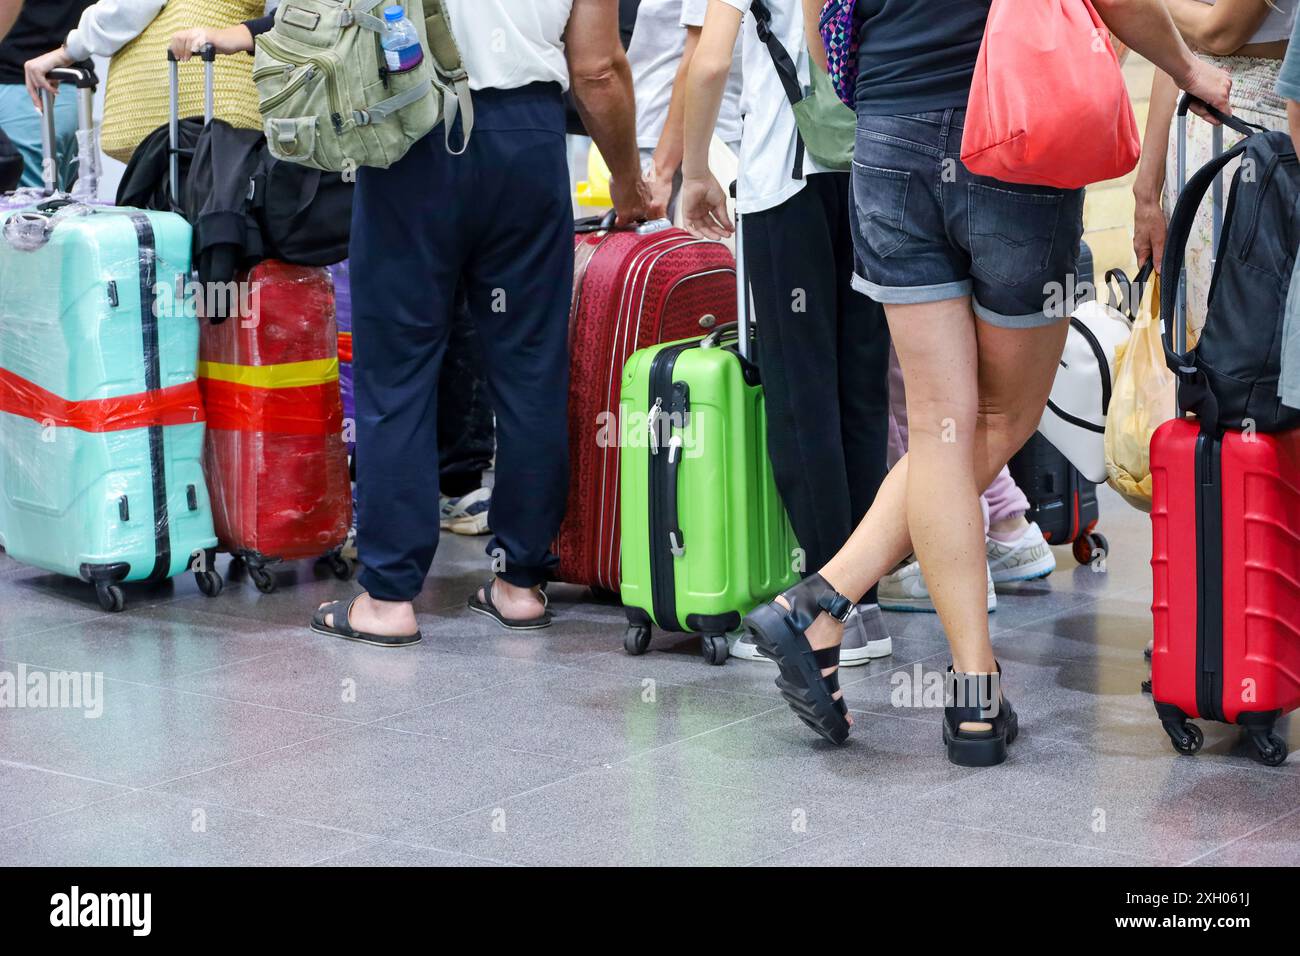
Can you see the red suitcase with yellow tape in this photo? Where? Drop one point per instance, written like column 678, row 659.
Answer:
column 275, row 459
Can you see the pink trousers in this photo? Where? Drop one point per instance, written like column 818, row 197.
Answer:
column 1002, row 500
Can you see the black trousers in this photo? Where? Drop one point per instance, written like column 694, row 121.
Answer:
column 497, row 222
column 823, row 350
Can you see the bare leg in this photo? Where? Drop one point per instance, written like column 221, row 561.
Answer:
column 1015, row 372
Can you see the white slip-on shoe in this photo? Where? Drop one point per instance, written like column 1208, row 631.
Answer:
column 1026, row 559
column 905, row 590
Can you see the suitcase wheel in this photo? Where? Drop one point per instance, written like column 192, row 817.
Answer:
column 636, row 639
column 340, row 566
column 111, row 597
column 209, row 582
column 1089, row 546
column 714, row 648
column 1270, row 747
column 1186, row 737
column 263, row 579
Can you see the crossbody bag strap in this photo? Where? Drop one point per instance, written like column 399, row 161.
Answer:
column 786, row 72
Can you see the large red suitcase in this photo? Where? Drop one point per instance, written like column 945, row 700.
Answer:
column 631, row 289
column 1225, row 558
column 276, row 463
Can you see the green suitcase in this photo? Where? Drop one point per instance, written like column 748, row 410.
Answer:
column 705, row 537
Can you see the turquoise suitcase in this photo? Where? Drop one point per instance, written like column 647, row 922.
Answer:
column 101, row 424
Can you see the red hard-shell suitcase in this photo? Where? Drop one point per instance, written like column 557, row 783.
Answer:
column 632, row 288
column 1225, row 550
column 1225, row 559
column 276, row 463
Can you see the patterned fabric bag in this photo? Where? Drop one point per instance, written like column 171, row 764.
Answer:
column 839, row 30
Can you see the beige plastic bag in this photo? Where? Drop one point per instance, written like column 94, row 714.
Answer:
column 1143, row 398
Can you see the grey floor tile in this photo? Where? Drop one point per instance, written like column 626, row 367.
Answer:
column 29, row 793
column 893, row 837
column 374, row 780
column 619, row 717
column 888, row 761
column 33, row 601
column 357, row 682
column 391, row 853
column 615, row 817
column 1274, row 844
column 148, row 734
column 155, row 644
column 1054, row 697
column 144, row 828
column 1160, row 808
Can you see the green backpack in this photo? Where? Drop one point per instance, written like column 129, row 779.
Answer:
column 328, row 102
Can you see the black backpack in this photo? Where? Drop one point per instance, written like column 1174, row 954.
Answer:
column 1230, row 380
column 305, row 215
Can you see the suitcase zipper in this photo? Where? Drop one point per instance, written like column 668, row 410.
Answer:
column 1209, row 576
column 665, row 538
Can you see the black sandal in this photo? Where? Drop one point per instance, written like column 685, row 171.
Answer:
column 978, row 698
column 342, row 627
column 781, row 635
column 488, row 608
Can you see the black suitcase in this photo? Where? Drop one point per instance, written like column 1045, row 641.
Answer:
column 1061, row 500
column 11, row 164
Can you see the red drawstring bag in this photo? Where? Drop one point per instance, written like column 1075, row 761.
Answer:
column 1048, row 105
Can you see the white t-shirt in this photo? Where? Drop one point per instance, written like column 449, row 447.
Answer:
column 507, row 44
column 655, row 54
column 769, row 134
column 1277, row 25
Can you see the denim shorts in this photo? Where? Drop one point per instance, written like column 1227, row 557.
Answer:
column 925, row 229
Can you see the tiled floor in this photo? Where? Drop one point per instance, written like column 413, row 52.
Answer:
column 232, row 735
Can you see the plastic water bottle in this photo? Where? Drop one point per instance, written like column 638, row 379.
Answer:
column 402, row 50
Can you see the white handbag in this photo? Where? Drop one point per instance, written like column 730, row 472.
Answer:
column 1074, row 420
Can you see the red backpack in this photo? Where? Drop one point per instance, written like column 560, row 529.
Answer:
column 1048, row 105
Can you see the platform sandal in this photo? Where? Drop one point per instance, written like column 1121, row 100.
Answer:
column 978, row 748
column 780, row 633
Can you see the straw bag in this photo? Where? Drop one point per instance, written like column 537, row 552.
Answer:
column 135, row 100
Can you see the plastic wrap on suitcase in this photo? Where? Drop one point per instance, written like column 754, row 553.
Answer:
column 101, row 419
column 343, row 318
column 275, row 455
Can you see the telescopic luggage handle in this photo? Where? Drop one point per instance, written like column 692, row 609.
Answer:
column 744, row 320
column 85, row 81
column 208, row 53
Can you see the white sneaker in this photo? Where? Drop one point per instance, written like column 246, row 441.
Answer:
column 467, row 514
column 743, row 648
column 865, row 636
column 1026, row 559
column 865, row 639
column 905, row 590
